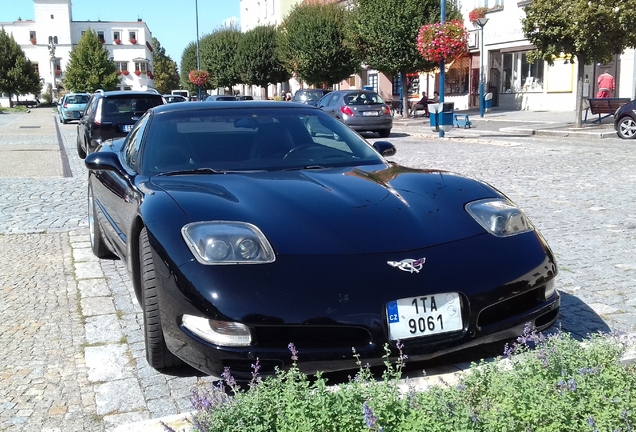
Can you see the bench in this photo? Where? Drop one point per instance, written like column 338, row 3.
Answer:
column 462, row 120
column 603, row 107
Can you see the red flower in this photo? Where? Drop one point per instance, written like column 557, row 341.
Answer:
column 198, row 77
column 447, row 41
column 150, row 75
column 137, row 72
column 117, row 41
column 118, row 72
column 477, row 13
column 125, row 72
column 133, row 41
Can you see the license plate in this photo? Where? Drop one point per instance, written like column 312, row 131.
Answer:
column 127, row 128
column 370, row 113
column 424, row 315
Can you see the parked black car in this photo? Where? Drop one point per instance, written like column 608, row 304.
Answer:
column 242, row 234
column 625, row 120
column 309, row 96
column 111, row 114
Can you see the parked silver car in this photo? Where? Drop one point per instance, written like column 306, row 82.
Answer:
column 72, row 106
column 361, row 110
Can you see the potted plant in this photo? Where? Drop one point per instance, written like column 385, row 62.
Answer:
column 477, row 13
column 137, row 72
column 117, row 41
column 150, row 75
column 34, row 41
column 125, row 72
column 198, row 77
column 133, row 41
column 118, row 73
column 442, row 41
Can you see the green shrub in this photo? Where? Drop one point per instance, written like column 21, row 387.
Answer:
column 551, row 383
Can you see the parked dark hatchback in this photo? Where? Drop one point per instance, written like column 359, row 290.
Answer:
column 361, row 110
column 111, row 114
column 625, row 120
column 244, row 233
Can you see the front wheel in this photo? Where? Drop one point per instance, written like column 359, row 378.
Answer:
column 627, row 128
column 157, row 353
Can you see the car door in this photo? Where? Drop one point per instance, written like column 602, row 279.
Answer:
column 323, row 103
column 83, row 126
column 117, row 192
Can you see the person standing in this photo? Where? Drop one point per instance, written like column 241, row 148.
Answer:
column 605, row 85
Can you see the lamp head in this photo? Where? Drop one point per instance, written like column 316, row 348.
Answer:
column 481, row 22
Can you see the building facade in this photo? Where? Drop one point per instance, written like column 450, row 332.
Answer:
column 48, row 39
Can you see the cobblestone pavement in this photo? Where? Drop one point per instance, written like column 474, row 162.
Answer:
column 70, row 329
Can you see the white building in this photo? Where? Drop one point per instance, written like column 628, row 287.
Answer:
column 48, row 40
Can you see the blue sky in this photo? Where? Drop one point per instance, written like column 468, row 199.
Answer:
column 172, row 22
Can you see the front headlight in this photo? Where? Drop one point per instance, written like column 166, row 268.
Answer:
column 222, row 242
column 499, row 217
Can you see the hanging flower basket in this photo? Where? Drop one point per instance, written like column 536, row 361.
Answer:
column 477, row 13
column 198, row 77
column 117, row 41
column 125, row 72
column 137, row 72
column 133, row 41
column 442, row 42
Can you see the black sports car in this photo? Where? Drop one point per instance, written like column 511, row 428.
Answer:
column 243, row 233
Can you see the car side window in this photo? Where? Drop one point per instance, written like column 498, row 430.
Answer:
column 325, row 100
column 91, row 106
column 133, row 143
column 334, row 99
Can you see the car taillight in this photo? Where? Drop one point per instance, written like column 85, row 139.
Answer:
column 65, row 105
column 386, row 110
column 346, row 110
column 98, row 116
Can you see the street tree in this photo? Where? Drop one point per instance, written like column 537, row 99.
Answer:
column 218, row 52
column 90, row 67
column 314, row 46
column 590, row 32
column 384, row 33
column 188, row 63
column 17, row 73
column 166, row 75
column 258, row 58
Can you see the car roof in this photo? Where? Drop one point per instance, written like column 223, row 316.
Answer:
column 225, row 105
column 135, row 93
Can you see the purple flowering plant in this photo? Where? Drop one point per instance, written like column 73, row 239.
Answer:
column 552, row 382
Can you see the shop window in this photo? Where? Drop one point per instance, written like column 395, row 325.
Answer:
column 521, row 75
column 456, row 79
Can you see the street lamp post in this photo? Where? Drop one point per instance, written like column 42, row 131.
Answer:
column 441, row 71
column 52, row 45
column 481, row 22
column 196, row 7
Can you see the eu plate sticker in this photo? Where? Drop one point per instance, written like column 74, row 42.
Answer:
column 392, row 312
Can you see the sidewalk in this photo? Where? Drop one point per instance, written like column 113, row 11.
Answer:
column 542, row 123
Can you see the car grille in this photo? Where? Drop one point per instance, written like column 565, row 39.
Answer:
column 511, row 307
column 311, row 336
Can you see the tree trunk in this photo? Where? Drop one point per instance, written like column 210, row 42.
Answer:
column 405, row 96
column 578, row 122
column 10, row 100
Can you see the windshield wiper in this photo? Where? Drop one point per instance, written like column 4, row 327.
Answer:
column 195, row 171
column 306, row 167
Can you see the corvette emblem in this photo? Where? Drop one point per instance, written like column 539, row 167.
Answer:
column 408, row 265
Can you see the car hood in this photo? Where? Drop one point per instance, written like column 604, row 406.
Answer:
column 378, row 209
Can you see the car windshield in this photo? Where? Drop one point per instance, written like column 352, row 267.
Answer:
column 360, row 98
column 308, row 96
column 130, row 105
column 249, row 139
column 76, row 99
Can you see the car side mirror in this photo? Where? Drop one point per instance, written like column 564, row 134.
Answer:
column 385, row 148
column 107, row 161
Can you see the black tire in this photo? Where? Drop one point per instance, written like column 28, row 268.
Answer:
column 80, row 151
column 64, row 121
column 384, row 133
column 157, row 352
column 626, row 128
column 98, row 245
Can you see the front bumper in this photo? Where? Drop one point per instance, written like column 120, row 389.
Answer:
column 331, row 309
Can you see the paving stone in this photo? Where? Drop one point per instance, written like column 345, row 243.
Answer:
column 97, row 306
column 118, row 397
column 103, row 329
column 107, row 363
